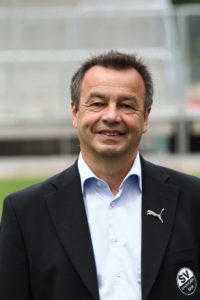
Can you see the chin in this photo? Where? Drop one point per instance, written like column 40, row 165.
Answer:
column 110, row 153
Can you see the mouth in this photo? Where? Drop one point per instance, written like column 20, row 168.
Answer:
column 111, row 133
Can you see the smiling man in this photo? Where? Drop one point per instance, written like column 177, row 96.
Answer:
column 110, row 120
column 112, row 226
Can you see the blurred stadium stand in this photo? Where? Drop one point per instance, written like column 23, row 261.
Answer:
column 43, row 44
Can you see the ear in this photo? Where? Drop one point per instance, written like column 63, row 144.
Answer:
column 74, row 112
column 146, row 119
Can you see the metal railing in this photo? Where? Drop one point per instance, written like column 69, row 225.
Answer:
column 41, row 47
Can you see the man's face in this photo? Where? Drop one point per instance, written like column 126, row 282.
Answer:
column 111, row 118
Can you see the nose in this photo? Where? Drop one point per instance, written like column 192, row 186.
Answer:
column 111, row 114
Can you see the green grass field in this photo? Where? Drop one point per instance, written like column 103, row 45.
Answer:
column 8, row 186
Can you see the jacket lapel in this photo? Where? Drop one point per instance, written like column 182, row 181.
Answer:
column 157, row 194
column 67, row 211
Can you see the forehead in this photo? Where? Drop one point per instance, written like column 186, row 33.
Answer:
column 99, row 76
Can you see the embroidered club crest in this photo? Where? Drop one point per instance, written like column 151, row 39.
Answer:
column 186, row 281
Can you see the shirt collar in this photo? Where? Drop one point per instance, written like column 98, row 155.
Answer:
column 86, row 173
column 135, row 170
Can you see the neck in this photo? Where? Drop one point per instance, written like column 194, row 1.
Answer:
column 110, row 169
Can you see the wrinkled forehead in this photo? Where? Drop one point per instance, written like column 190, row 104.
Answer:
column 99, row 77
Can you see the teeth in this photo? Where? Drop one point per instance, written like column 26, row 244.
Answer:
column 111, row 133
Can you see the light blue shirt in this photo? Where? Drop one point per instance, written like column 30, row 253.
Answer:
column 115, row 228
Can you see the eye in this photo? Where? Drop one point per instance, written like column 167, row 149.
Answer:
column 97, row 104
column 127, row 106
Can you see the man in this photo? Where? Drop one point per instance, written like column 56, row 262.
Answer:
column 112, row 226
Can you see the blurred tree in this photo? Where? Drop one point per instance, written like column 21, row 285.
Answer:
column 185, row 1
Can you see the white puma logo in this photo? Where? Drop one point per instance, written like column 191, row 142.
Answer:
column 152, row 213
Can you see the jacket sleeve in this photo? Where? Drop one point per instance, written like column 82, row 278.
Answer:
column 14, row 270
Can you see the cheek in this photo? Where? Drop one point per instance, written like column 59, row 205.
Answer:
column 90, row 119
column 136, row 123
column 82, row 123
column 132, row 121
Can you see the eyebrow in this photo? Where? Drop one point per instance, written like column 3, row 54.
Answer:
column 100, row 96
column 128, row 98
column 97, row 95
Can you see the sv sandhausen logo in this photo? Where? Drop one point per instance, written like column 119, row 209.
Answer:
column 186, row 281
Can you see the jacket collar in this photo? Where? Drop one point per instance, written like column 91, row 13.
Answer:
column 67, row 211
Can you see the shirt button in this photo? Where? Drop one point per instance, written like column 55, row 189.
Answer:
column 118, row 275
column 99, row 183
column 112, row 204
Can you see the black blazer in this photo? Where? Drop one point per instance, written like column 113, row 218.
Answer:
column 46, row 251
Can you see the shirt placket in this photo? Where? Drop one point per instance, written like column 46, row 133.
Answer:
column 115, row 248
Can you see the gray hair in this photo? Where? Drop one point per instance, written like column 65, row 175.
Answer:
column 117, row 61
